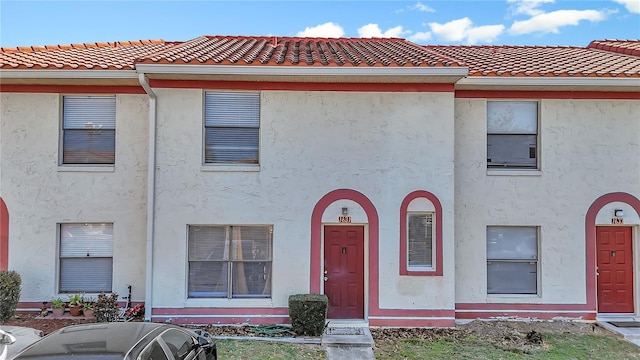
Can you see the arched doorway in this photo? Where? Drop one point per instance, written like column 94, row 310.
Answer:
column 610, row 257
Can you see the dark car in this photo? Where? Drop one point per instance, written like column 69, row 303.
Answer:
column 123, row 340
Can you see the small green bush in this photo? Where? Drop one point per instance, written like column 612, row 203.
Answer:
column 308, row 313
column 106, row 308
column 10, row 282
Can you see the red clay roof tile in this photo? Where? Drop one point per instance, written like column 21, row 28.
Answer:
column 113, row 56
column 295, row 51
column 602, row 58
column 628, row 47
column 532, row 61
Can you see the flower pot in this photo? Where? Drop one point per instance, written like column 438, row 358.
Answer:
column 75, row 310
column 88, row 313
column 57, row 311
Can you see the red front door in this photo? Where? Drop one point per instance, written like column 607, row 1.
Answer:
column 344, row 271
column 615, row 269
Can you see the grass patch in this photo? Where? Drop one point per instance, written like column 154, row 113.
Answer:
column 555, row 347
column 260, row 350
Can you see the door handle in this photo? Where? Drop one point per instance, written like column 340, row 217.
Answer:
column 326, row 278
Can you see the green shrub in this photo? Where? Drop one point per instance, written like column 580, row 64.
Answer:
column 106, row 308
column 308, row 313
column 9, row 293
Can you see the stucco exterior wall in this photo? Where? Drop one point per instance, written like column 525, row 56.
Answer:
column 40, row 194
column 383, row 145
column 588, row 148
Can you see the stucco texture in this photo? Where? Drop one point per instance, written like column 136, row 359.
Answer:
column 383, row 145
column 40, row 194
column 587, row 148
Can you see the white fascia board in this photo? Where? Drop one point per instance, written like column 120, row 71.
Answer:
column 545, row 81
column 300, row 70
column 68, row 74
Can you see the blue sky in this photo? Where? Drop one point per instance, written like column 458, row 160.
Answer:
column 512, row 22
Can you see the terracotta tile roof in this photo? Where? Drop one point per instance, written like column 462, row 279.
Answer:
column 295, row 51
column 602, row 58
column 533, row 61
column 98, row 56
column 629, row 47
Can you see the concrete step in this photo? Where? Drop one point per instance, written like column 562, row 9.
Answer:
column 347, row 337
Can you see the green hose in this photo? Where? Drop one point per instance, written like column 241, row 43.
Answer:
column 272, row 329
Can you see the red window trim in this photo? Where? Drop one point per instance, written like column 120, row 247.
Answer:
column 437, row 271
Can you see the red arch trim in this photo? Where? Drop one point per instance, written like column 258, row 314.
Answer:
column 316, row 238
column 4, row 236
column 403, row 233
column 590, row 234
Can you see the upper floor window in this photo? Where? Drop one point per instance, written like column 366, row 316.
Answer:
column 86, row 257
column 512, row 260
column 232, row 128
column 512, row 134
column 88, row 130
column 230, row 261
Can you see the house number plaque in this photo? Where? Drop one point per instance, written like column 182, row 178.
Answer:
column 344, row 219
column 617, row 221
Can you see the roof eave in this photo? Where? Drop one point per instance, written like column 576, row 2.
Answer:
column 300, row 70
column 473, row 81
column 67, row 74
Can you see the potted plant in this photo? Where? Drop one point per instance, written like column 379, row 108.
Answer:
column 57, row 307
column 88, row 308
column 75, row 304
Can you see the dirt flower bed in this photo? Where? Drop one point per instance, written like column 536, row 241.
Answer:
column 503, row 334
column 46, row 324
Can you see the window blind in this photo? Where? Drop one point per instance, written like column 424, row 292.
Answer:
column 86, row 257
column 89, row 130
column 232, row 127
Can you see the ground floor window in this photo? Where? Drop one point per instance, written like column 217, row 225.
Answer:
column 420, row 241
column 228, row 261
column 86, row 257
column 512, row 260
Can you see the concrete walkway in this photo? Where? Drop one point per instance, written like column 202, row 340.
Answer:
column 629, row 333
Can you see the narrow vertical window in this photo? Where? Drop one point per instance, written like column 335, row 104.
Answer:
column 232, row 128
column 88, row 130
column 420, row 241
column 421, row 235
column 512, row 134
column 512, row 260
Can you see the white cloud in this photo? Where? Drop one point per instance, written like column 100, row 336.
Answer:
column 453, row 30
column 326, row 30
column 422, row 7
column 373, row 30
column 462, row 30
column 528, row 7
column 551, row 22
column 632, row 5
column 484, row 34
column 417, row 7
column 420, row 37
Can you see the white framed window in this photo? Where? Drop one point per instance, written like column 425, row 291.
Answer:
column 512, row 260
column 228, row 261
column 86, row 257
column 88, row 130
column 512, row 134
column 420, row 232
column 231, row 128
